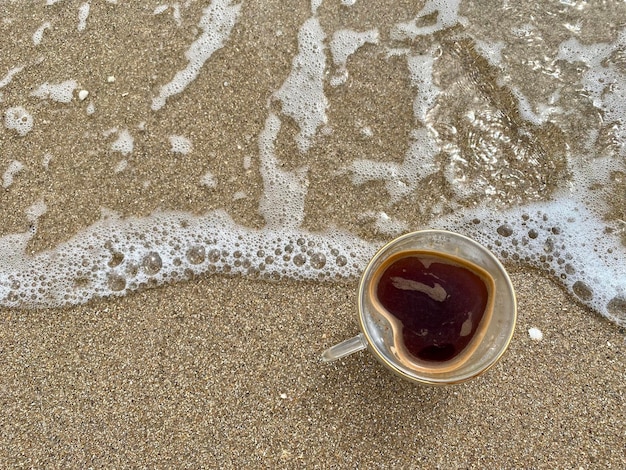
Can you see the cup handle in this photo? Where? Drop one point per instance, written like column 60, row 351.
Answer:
column 345, row 348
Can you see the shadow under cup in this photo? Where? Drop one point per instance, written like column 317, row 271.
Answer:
column 459, row 275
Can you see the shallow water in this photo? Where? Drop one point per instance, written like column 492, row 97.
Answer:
column 144, row 144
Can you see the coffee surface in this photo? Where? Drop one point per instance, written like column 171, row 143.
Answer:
column 439, row 303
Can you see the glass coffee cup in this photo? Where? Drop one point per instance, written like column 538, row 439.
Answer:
column 434, row 307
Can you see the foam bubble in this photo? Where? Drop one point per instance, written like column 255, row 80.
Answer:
column 247, row 162
column 302, row 93
column 61, row 92
column 83, row 14
column 196, row 254
column 126, row 255
column 36, row 210
column 13, row 169
column 543, row 111
column 315, row 4
column 492, row 51
column 400, row 179
column 121, row 166
column 19, row 120
column 387, row 225
column 180, row 144
column 124, row 143
column 344, row 43
column 209, row 180
column 282, row 202
column 447, row 14
column 9, row 76
column 176, row 14
column 159, row 9
column 46, row 159
column 421, row 73
column 605, row 82
column 562, row 238
column 216, row 23
column 151, row 263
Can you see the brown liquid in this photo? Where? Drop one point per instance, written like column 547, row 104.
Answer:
column 439, row 302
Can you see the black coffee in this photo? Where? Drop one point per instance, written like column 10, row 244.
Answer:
column 439, row 301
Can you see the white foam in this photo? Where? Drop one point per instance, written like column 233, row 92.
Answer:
column 46, row 159
column 344, row 43
column 247, row 162
column 176, row 14
column 282, row 202
column 36, row 210
column 9, row 75
column 124, row 142
column 13, row 169
column 561, row 237
column 400, row 179
column 216, row 24
column 121, row 166
column 61, row 92
column 209, row 180
column 447, row 16
column 492, row 51
column 180, row 144
column 83, row 14
column 386, row 225
column 167, row 247
column 160, row 9
column 315, row 4
column 19, row 120
column 421, row 74
column 302, row 93
column 569, row 237
column 542, row 113
column 603, row 80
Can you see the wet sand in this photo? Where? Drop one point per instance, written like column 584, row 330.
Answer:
column 225, row 373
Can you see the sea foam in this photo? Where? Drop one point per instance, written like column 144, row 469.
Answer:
column 474, row 139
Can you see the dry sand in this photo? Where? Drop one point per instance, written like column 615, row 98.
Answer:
column 225, row 373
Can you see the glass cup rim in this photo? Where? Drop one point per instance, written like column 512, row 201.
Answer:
column 362, row 311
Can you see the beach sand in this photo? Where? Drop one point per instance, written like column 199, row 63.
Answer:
column 225, row 372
